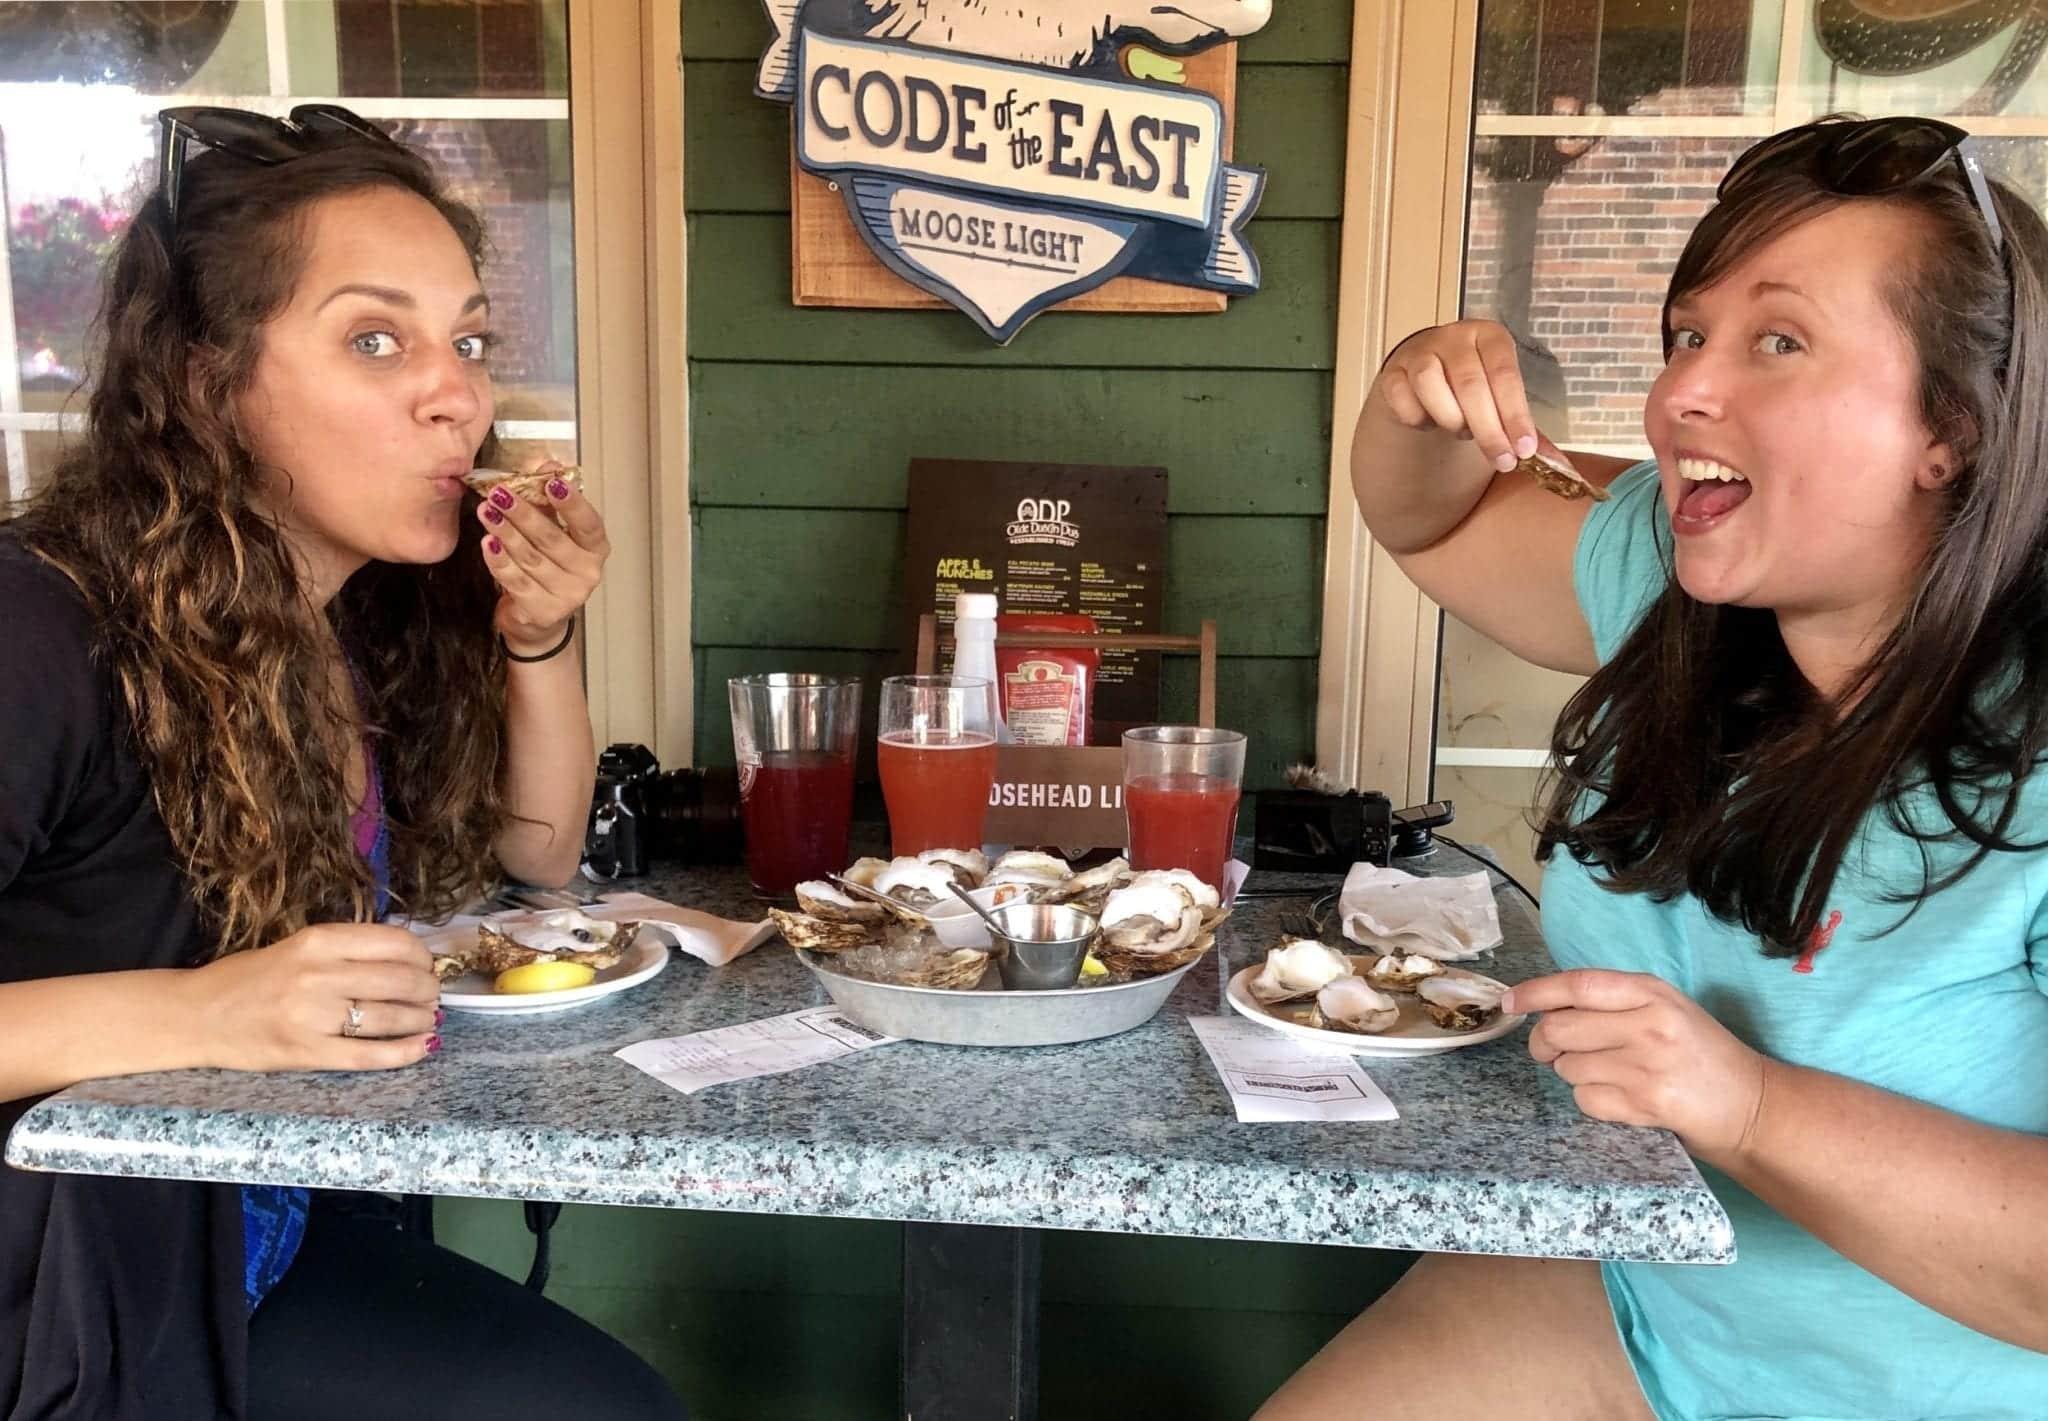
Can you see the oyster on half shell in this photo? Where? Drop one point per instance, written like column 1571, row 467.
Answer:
column 822, row 899
column 1353, row 1004
column 563, row 936
column 1401, row 972
column 970, row 866
column 916, row 884
column 1091, row 887
column 1464, row 1002
column 1299, row 967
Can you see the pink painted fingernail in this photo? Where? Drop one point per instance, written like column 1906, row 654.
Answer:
column 501, row 497
column 433, row 1044
column 558, row 489
column 439, row 1016
column 491, row 515
column 493, row 546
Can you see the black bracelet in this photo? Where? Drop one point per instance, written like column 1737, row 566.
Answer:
column 568, row 635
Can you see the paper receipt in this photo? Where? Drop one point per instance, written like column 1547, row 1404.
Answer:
column 754, row 1048
column 1270, row 1077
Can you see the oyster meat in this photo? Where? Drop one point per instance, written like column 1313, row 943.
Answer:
column 1091, row 887
column 970, row 866
column 1464, row 1002
column 916, row 884
column 1561, row 478
column 563, row 936
column 1353, row 1004
column 1299, row 967
column 1038, row 871
column 1398, row 972
column 1150, row 928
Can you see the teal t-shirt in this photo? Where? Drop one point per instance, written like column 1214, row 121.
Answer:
column 1950, row 1009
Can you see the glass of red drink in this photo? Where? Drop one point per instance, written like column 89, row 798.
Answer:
column 1181, row 784
column 794, row 735
column 937, row 755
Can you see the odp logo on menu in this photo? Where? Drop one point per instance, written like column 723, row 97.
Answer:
column 1044, row 520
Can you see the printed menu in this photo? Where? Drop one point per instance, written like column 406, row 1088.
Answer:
column 1070, row 538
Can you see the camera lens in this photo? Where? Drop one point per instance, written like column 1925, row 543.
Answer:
column 693, row 815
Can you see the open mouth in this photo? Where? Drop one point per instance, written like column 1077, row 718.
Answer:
column 1713, row 491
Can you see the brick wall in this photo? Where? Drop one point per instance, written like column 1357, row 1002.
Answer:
column 1576, row 266
column 501, row 169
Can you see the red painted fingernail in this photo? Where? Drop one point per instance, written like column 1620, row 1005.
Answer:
column 501, row 497
column 439, row 1016
column 433, row 1044
column 491, row 515
column 493, row 546
column 557, row 488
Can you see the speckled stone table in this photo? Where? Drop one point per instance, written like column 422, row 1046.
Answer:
column 1132, row 1134
column 976, row 1150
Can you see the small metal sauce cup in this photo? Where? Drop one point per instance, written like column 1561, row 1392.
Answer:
column 1043, row 945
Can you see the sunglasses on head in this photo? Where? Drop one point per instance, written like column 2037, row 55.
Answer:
column 1866, row 157
column 252, row 137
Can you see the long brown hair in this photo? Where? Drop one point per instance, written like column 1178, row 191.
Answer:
column 203, row 621
column 1700, row 760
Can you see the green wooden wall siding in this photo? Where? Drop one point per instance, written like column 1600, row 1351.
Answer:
column 802, row 425
column 803, row 421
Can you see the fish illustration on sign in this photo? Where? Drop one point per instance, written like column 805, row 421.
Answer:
column 1005, row 155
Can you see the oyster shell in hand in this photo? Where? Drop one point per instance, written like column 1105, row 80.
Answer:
column 533, row 486
column 1299, row 967
column 1561, row 478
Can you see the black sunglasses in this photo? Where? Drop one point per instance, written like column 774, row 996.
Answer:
column 1866, row 157
column 252, row 137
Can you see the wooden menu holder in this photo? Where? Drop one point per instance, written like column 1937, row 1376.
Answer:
column 1069, row 795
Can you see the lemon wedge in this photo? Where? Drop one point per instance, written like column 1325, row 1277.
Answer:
column 544, row 977
column 1091, row 967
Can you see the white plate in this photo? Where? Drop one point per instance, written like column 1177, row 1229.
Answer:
column 472, row 992
column 1413, row 1034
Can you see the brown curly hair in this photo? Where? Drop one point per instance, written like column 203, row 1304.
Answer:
column 224, row 666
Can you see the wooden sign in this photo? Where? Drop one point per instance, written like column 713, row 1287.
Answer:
column 1073, row 538
column 1006, row 158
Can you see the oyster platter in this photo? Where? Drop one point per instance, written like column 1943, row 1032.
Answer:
column 914, row 961
column 1373, row 1004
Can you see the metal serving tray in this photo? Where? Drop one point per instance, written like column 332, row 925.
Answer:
column 990, row 1016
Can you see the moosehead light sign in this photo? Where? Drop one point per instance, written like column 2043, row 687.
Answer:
column 1001, row 157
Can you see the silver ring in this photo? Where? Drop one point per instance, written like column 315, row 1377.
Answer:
column 354, row 1022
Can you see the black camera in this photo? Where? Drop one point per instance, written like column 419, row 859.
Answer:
column 640, row 813
column 615, row 843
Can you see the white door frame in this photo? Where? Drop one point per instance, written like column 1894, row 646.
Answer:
column 632, row 375
column 1407, row 156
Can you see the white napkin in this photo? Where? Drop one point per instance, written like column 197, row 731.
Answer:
column 713, row 940
column 1450, row 919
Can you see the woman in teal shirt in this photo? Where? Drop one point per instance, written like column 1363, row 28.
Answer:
column 1797, row 854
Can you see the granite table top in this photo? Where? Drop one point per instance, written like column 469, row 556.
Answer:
column 1131, row 1134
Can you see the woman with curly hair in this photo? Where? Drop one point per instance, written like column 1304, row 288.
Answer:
column 269, row 668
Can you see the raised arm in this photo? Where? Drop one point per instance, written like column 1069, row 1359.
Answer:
column 1445, row 419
